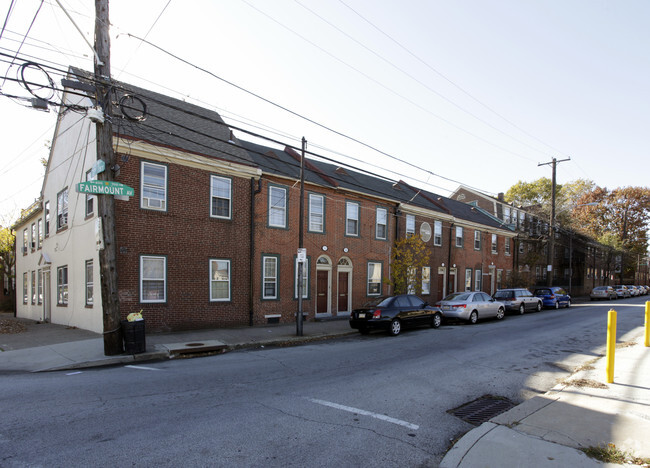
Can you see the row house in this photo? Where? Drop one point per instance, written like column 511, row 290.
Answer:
column 210, row 236
column 579, row 264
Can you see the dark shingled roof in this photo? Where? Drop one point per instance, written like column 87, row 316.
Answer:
column 170, row 122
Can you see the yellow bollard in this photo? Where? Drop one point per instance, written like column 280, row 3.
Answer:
column 611, row 344
column 647, row 324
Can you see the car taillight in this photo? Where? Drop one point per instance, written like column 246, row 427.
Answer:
column 459, row 306
column 552, row 296
column 376, row 314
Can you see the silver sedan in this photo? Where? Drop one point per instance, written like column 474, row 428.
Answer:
column 471, row 306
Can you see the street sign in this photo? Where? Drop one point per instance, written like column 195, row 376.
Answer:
column 102, row 187
column 302, row 255
column 98, row 168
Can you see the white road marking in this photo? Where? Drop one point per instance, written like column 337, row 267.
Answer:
column 142, row 367
column 350, row 409
column 74, row 373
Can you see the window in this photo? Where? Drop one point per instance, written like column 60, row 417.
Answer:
column 426, row 280
column 410, row 225
column 374, row 278
column 89, row 282
column 33, row 287
column 478, row 277
column 305, row 279
column 270, row 277
column 39, row 281
column 437, row 233
column 459, row 236
column 219, row 280
column 410, row 278
column 521, row 247
column 506, row 215
column 47, row 218
column 220, row 197
column 153, row 279
column 477, row 240
column 25, row 241
column 381, row 228
column 33, row 237
column 62, row 285
column 507, row 246
column 39, row 232
column 316, row 213
column 153, row 186
column 25, row 290
column 90, row 199
column 62, row 209
column 351, row 219
column 277, row 207
column 468, row 279
column 494, row 243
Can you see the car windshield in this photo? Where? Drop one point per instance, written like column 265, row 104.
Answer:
column 542, row 291
column 600, row 288
column 457, row 297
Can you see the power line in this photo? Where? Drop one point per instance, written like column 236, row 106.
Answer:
column 23, row 41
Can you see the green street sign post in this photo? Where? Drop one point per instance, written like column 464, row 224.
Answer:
column 101, row 187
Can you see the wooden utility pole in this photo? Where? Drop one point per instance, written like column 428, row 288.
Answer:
column 301, row 236
column 106, row 203
column 551, row 228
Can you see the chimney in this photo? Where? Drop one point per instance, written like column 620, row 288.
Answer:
column 500, row 196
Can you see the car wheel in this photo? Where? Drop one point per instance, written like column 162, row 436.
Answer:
column 557, row 304
column 436, row 320
column 473, row 317
column 522, row 309
column 501, row 313
column 539, row 306
column 364, row 330
column 395, row 327
column 568, row 303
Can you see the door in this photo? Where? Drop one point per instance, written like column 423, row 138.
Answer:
column 322, row 280
column 343, row 292
column 440, row 291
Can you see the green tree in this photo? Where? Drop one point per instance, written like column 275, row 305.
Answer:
column 408, row 257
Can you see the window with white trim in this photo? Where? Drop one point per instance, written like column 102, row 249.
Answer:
column 410, row 225
column 507, row 244
column 351, row 219
column 426, row 280
column 46, row 209
column 220, row 197
column 89, row 283
column 39, row 232
column 374, row 279
column 269, row 277
column 437, row 233
column 39, row 280
column 494, row 243
column 62, row 285
column 32, row 243
column 459, row 236
column 477, row 240
column 381, row 227
column 219, row 280
column 316, row 212
column 25, row 289
column 153, row 186
column 506, row 215
column 277, row 206
column 33, row 287
column 478, row 280
column 25, row 240
column 153, row 278
column 62, row 209
column 90, row 199
column 468, row 279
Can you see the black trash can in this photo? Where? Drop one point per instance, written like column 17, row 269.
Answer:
column 133, row 334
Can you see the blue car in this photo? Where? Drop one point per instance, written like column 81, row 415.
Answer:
column 553, row 297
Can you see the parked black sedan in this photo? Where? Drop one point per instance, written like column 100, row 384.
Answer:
column 391, row 313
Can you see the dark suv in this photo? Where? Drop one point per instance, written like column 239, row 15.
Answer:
column 518, row 300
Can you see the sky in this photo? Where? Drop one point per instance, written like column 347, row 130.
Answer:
column 437, row 93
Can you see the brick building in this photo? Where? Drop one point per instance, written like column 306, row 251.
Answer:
column 210, row 237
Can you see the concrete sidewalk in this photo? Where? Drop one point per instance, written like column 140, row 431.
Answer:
column 546, row 431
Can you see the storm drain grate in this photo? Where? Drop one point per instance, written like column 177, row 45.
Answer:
column 482, row 409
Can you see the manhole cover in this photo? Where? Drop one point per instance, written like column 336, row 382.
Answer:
column 482, row 409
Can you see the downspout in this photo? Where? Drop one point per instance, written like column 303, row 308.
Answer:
column 451, row 236
column 251, row 266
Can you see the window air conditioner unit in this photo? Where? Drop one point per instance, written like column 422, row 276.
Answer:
column 153, row 202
